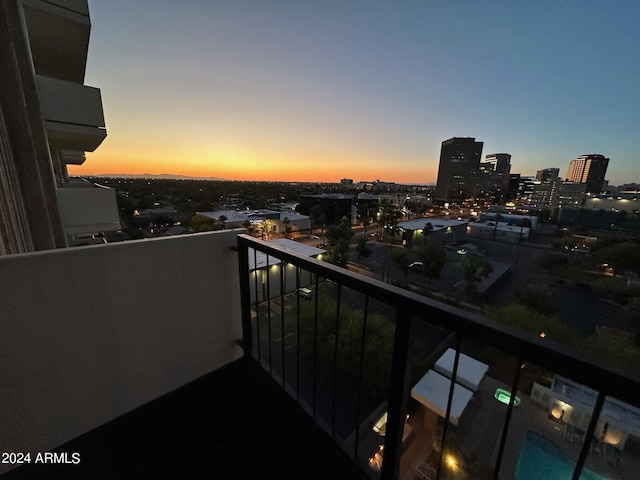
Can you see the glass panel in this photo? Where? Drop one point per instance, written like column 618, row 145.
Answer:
column 548, row 429
column 614, row 449
column 289, row 327
column 479, row 402
column 379, row 332
column 421, row 432
column 307, row 367
column 350, row 330
column 325, row 345
column 274, row 314
column 485, row 376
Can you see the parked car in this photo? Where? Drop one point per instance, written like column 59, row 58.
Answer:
column 305, row 292
column 416, row 266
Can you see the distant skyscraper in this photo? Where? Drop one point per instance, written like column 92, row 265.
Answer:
column 458, row 169
column 494, row 176
column 501, row 162
column 547, row 174
column 588, row 169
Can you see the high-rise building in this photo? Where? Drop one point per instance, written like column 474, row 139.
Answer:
column 493, row 178
column 555, row 192
column 547, row 174
column 589, row 169
column 501, row 162
column 48, row 119
column 458, row 169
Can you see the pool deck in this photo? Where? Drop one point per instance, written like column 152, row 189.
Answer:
column 480, row 429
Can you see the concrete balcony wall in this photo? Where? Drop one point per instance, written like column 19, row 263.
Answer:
column 78, row 7
column 91, row 333
column 87, row 210
column 72, row 113
column 58, row 32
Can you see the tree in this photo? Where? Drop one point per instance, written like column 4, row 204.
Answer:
column 475, row 269
column 400, row 260
column 338, row 237
column 621, row 256
column 389, row 217
column 631, row 314
column 433, row 260
column 363, row 248
column 248, row 225
column 538, row 296
column 426, row 233
column 319, row 216
column 322, row 218
column 201, row 223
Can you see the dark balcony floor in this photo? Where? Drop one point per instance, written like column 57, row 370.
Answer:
column 234, row 423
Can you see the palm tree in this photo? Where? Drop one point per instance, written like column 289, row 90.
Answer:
column 475, row 269
column 426, row 233
column 433, row 260
column 362, row 248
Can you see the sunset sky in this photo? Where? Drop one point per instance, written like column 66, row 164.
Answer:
column 320, row 90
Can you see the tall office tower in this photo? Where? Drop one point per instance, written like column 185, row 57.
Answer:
column 493, row 180
column 589, row 169
column 458, row 169
column 48, row 119
column 547, row 174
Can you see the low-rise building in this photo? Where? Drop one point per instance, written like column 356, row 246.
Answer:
column 269, row 221
column 500, row 230
column 442, row 231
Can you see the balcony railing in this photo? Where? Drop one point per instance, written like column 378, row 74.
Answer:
column 373, row 364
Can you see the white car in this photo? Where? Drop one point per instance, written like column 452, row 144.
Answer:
column 305, row 292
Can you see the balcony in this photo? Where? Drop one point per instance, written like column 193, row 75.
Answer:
column 87, row 209
column 56, row 26
column 129, row 355
column 72, row 114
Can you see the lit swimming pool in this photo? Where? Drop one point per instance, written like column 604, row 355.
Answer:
column 541, row 458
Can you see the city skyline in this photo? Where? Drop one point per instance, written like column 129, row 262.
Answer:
column 280, row 91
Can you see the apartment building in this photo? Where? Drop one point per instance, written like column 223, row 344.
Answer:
column 48, row 120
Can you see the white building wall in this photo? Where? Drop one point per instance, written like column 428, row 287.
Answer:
column 91, row 333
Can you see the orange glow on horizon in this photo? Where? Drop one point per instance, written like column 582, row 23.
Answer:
column 239, row 166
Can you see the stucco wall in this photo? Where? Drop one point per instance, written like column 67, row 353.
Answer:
column 91, row 333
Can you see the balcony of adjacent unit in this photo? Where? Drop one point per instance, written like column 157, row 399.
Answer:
column 56, row 26
column 220, row 356
column 88, row 211
column 72, row 114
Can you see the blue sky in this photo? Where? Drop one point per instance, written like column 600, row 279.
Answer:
column 321, row 90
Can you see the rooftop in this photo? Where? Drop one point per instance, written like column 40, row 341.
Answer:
column 437, row 223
